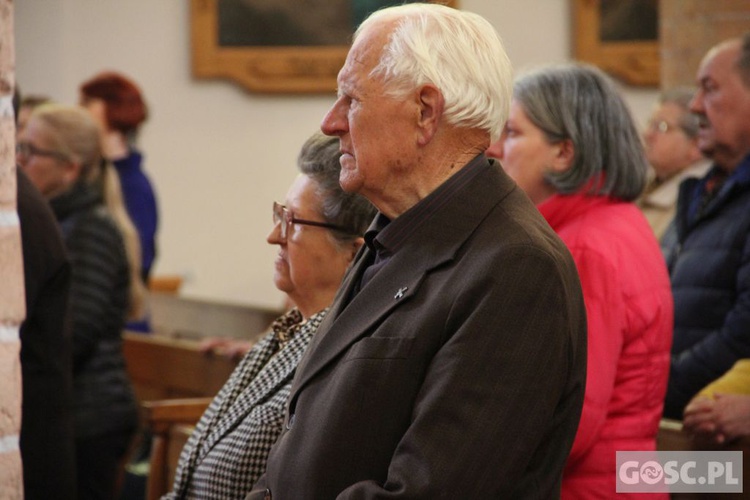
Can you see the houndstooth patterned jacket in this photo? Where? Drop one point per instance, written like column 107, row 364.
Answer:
column 227, row 452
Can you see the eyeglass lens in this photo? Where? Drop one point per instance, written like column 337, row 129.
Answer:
column 661, row 126
column 28, row 150
column 280, row 216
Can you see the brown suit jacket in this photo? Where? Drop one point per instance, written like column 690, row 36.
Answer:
column 458, row 371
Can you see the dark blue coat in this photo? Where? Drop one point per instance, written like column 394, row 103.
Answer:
column 140, row 202
column 709, row 268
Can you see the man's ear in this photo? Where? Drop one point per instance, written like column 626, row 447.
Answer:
column 564, row 154
column 431, row 104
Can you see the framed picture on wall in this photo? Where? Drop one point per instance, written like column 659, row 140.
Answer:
column 619, row 36
column 291, row 46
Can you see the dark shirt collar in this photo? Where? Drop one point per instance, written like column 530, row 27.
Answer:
column 386, row 236
column 739, row 176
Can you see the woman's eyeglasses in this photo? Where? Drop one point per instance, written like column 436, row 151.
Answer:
column 284, row 217
column 662, row 126
column 28, row 150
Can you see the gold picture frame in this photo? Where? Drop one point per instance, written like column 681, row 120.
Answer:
column 272, row 69
column 636, row 62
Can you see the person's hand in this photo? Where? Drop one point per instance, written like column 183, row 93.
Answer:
column 231, row 348
column 698, row 418
column 724, row 418
column 732, row 415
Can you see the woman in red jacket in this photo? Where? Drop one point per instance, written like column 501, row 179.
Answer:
column 570, row 143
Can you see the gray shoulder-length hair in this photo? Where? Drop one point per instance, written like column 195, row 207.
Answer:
column 578, row 102
column 319, row 160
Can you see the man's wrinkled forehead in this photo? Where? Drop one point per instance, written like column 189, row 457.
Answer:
column 365, row 52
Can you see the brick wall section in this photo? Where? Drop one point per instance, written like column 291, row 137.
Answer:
column 12, row 307
column 690, row 27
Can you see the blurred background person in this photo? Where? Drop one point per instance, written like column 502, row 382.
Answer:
column 26, row 106
column 46, row 441
column 60, row 151
column 672, row 151
column 318, row 230
column 117, row 105
column 571, row 145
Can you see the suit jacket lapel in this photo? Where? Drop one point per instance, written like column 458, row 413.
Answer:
column 400, row 279
column 347, row 285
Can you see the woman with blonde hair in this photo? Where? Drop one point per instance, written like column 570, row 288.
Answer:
column 60, row 152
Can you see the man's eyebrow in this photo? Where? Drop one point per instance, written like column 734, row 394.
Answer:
column 705, row 80
column 343, row 87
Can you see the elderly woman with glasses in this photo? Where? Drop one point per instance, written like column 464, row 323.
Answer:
column 571, row 145
column 61, row 153
column 318, row 231
column 672, row 151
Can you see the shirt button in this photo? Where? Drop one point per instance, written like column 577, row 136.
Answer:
column 268, row 495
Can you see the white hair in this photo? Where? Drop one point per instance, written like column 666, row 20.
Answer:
column 459, row 52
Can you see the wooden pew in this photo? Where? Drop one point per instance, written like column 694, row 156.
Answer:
column 672, row 438
column 171, row 422
column 165, row 368
column 164, row 372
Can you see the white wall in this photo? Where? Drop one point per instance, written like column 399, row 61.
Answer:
column 218, row 155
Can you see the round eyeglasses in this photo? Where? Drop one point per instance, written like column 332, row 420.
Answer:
column 285, row 218
column 662, row 126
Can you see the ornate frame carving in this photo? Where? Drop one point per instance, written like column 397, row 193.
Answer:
column 635, row 62
column 299, row 69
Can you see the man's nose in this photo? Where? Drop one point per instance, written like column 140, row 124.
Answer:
column 334, row 122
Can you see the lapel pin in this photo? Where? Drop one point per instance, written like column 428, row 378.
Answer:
column 400, row 292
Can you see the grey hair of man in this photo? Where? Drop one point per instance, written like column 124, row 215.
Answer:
column 319, row 160
column 458, row 52
column 580, row 103
column 681, row 97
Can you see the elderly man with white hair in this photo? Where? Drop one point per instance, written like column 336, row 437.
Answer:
column 452, row 362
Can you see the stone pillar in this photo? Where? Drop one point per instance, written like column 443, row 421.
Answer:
column 690, row 27
column 12, row 305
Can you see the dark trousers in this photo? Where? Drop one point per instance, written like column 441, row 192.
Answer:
column 98, row 462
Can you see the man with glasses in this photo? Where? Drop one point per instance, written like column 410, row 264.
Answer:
column 452, row 361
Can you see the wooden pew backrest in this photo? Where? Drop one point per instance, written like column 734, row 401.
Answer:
column 163, row 368
column 170, row 422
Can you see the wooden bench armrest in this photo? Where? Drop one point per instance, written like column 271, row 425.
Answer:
column 174, row 411
column 162, row 417
column 668, row 424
